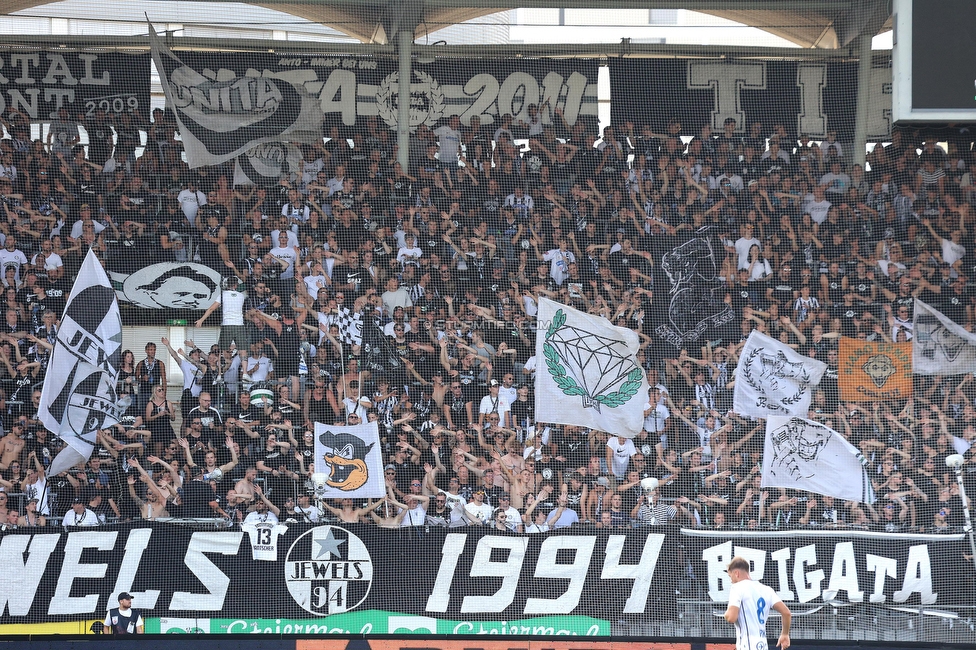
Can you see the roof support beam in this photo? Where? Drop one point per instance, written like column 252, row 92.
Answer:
column 596, row 50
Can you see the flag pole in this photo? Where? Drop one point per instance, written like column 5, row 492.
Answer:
column 955, row 463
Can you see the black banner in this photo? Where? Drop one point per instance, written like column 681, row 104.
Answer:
column 806, row 98
column 840, row 567
column 416, row 577
column 350, row 88
column 327, row 570
column 39, row 83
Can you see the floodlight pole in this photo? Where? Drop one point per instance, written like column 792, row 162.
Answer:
column 404, row 49
column 861, row 112
column 955, row 462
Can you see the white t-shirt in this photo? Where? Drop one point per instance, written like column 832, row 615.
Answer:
column 289, row 255
column 754, row 600
column 191, row 202
column 13, row 259
column 414, row 517
column 313, row 284
column 191, row 377
column 818, row 210
column 498, row 405
column 449, row 142
column 742, row 248
column 267, row 517
column 559, row 264
column 264, row 538
column 86, row 518
column 232, row 303
column 622, row 451
column 477, row 512
column 657, row 419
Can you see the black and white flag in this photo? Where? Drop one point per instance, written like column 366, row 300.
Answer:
column 940, row 346
column 79, row 395
column 800, row 454
column 696, row 310
column 264, row 165
column 773, row 379
column 350, row 326
column 221, row 113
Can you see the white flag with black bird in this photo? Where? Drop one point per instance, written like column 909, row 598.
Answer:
column 774, row 379
column 801, row 454
column 588, row 374
column 79, row 396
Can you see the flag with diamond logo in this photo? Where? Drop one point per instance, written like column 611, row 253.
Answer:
column 587, row 372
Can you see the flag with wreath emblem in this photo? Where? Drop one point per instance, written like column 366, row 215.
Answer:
column 587, row 372
column 774, row 379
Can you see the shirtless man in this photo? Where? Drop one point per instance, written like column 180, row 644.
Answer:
column 11, row 446
column 350, row 515
column 155, row 504
column 245, row 487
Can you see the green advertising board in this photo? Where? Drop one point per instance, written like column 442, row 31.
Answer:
column 381, row 622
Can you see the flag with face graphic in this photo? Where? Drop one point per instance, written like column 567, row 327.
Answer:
column 352, row 458
column 801, row 454
column 940, row 346
column 79, row 395
column 873, row 370
column 224, row 113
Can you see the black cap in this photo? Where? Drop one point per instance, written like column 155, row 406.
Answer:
column 125, row 595
column 77, row 500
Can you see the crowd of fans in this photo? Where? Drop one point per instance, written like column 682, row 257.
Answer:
column 448, row 257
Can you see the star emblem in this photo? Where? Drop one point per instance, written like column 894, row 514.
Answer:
column 328, row 545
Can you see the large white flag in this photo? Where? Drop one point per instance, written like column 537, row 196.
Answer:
column 79, row 395
column 224, row 113
column 353, row 459
column 804, row 455
column 587, row 372
column 940, row 346
column 773, row 379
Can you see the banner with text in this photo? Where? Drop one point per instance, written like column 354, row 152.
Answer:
column 806, row 98
column 352, row 88
column 38, row 84
column 367, row 580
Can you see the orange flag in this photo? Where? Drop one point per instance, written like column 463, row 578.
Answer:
column 874, row 370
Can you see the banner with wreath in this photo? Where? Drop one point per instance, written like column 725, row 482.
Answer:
column 349, row 90
column 773, row 379
column 588, row 372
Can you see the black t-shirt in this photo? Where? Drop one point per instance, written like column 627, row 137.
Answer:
column 197, row 496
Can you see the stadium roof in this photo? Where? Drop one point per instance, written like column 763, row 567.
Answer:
column 823, row 24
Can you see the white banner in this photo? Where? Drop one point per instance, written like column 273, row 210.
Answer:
column 800, row 454
column 588, row 374
column 79, row 395
column 773, row 379
column 940, row 346
column 222, row 114
column 353, row 459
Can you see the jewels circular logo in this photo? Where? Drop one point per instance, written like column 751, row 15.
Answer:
column 426, row 99
column 328, row 571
